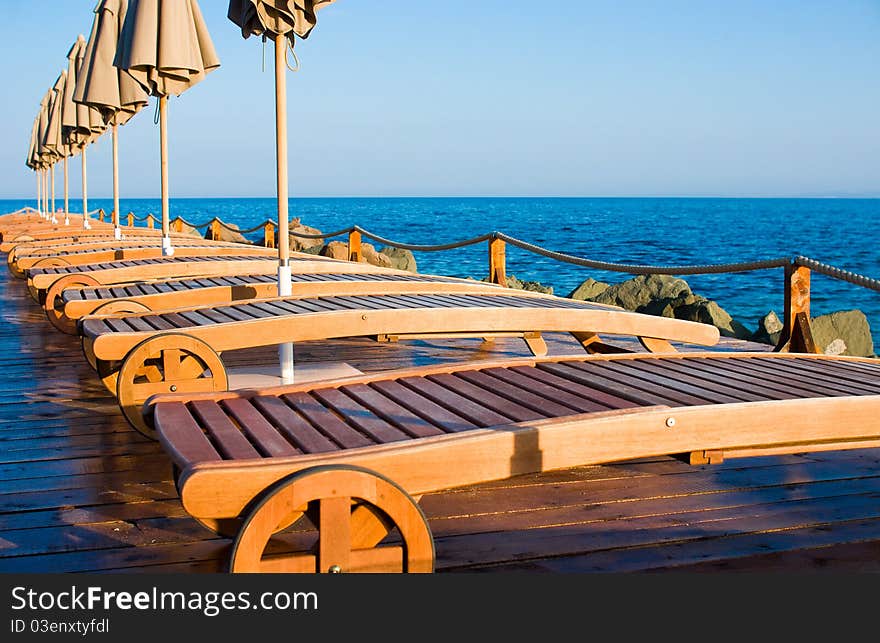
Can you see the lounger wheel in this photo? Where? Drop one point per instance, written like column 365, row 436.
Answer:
column 13, row 266
column 353, row 511
column 115, row 306
column 166, row 363
column 51, row 262
column 54, row 305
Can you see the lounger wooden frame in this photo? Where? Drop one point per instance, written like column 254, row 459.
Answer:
column 139, row 355
column 249, row 463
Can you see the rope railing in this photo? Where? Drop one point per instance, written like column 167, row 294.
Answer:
column 796, row 334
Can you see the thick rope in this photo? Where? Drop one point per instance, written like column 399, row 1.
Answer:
column 702, row 269
column 837, row 273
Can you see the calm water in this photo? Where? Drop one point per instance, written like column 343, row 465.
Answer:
column 841, row 232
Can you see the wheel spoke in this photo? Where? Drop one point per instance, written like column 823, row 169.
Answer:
column 334, row 539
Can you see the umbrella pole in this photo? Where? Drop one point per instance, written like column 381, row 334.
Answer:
column 285, row 351
column 117, row 233
column 46, row 193
column 52, row 170
column 38, row 174
column 85, row 193
column 66, row 203
column 167, row 249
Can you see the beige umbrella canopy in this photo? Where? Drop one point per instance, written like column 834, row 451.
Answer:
column 113, row 92
column 53, row 142
column 165, row 46
column 280, row 20
column 80, row 123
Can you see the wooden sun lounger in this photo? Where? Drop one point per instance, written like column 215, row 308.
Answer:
column 124, row 251
column 139, row 355
column 42, row 281
column 346, row 461
column 143, row 296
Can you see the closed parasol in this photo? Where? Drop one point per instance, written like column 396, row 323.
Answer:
column 114, row 93
column 280, row 20
column 80, row 123
column 165, row 46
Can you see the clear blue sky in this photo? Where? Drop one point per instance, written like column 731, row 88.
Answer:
column 498, row 97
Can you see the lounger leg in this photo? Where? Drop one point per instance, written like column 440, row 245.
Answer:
column 351, row 507
column 535, row 343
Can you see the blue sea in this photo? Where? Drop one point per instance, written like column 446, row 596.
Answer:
column 658, row 231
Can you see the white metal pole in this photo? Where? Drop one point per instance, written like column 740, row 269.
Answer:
column 285, row 351
column 66, row 203
column 53, row 217
column 167, row 248
column 117, row 233
column 85, row 192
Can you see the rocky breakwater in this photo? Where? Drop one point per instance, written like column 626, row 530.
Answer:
column 845, row 332
column 386, row 257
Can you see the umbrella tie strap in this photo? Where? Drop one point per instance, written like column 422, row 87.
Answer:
column 290, row 51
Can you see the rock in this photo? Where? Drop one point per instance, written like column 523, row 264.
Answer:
column 228, row 236
column 639, row 291
column 400, row 259
column 837, row 347
column 300, row 244
column 339, row 250
column 533, row 286
column 588, row 290
column 850, row 327
column 769, row 329
column 666, row 307
column 185, row 228
column 709, row 312
column 335, row 250
column 370, row 255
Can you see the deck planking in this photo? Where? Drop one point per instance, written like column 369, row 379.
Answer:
column 82, row 492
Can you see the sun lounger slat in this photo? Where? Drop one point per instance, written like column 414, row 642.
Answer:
column 158, row 322
column 139, row 324
column 526, row 392
column 118, row 325
column 260, row 431
column 843, row 381
column 177, row 320
column 377, row 302
column 216, row 316
column 186, row 436
column 806, row 388
column 584, row 399
column 270, row 308
column 253, row 311
column 326, row 421
column 772, row 390
column 746, row 390
column 147, row 289
column 628, row 374
column 235, row 312
column 479, row 414
column 714, row 390
column 499, row 404
column 226, row 437
column 784, row 389
column 360, row 417
column 197, row 318
column 293, row 426
column 392, row 412
column 597, row 382
column 423, row 406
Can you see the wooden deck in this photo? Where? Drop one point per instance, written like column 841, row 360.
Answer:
column 82, row 492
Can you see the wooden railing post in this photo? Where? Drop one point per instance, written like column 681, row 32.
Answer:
column 151, row 221
column 497, row 262
column 131, row 219
column 796, row 336
column 215, row 229
column 178, row 224
column 354, row 246
column 269, row 235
